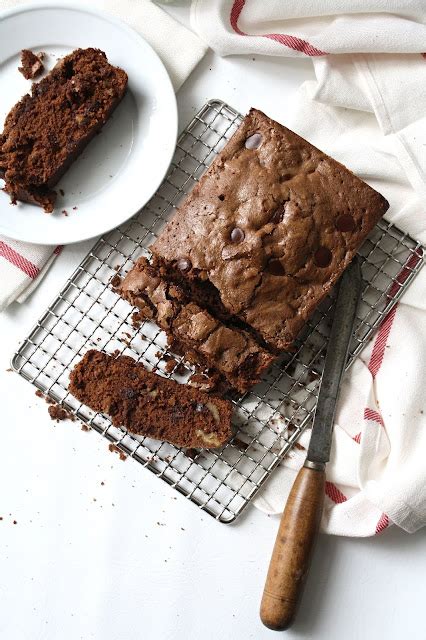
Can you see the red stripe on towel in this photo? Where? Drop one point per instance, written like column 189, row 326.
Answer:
column 372, row 414
column 334, row 493
column 405, row 272
column 382, row 523
column 380, row 343
column 292, row 42
column 19, row 261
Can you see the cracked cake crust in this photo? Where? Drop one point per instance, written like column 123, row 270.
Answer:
column 268, row 230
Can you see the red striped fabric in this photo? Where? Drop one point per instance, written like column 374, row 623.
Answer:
column 380, row 343
column 292, row 42
column 405, row 272
column 372, row 414
column 424, row 55
column 357, row 438
column 382, row 523
column 19, row 261
column 334, row 493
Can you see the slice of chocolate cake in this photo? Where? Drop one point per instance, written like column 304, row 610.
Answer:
column 46, row 131
column 230, row 351
column 146, row 404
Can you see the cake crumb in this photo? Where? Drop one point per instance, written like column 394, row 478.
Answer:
column 74, row 208
column 85, row 427
column 62, row 192
column 115, row 281
column 115, row 449
column 170, row 365
column 136, row 320
column 31, row 64
column 181, row 369
column 15, row 522
column 64, row 212
column 191, row 453
column 9, row 370
column 39, row 393
column 56, row 412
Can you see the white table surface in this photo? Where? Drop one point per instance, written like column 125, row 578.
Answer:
column 103, row 550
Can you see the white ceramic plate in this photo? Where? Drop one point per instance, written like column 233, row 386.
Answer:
column 123, row 166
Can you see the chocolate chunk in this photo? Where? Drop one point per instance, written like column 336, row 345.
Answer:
column 184, row 265
column 237, row 235
column 275, row 268
column 345, row 223
column 278, row 214
column 254, row 141
column 128, row 393
column 322, row 257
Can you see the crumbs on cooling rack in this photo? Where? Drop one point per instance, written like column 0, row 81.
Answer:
column 56, row 412
column 115, row 449
column 115, row 281
column 136, row 320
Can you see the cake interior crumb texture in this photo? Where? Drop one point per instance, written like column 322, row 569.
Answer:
column 267, row 231
column 147, row 404
column 47, row 129
column 232, row 352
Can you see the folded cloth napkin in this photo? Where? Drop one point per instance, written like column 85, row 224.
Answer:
column 22, row 265
column 367, row 109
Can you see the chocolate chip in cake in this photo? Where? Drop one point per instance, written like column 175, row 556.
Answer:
column 345, row 223
column 129, row 393
column 278, row 214
column 237, row 235
column 275, row 268
column 322, row 257
column 254, row 141
column 184, row 265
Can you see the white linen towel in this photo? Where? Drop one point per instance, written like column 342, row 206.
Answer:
column 22, row 265
column 367, row 109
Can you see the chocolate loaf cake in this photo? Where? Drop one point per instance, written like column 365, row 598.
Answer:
column 232, row 352
column 267, row 231
column 146, row 404
column 46, row 131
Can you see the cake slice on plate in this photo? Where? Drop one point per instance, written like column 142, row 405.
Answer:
column 46, row 131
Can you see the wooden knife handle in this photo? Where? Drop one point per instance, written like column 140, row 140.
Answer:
column 293, row 548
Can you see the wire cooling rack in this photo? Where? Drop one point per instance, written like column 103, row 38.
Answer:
column 269, row 418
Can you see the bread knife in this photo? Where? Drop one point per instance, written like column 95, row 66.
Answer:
column 301, row 519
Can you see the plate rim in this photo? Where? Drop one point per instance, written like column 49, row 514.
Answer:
column 108, row 17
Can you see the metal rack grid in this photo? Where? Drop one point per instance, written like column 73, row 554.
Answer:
column 270, row 417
